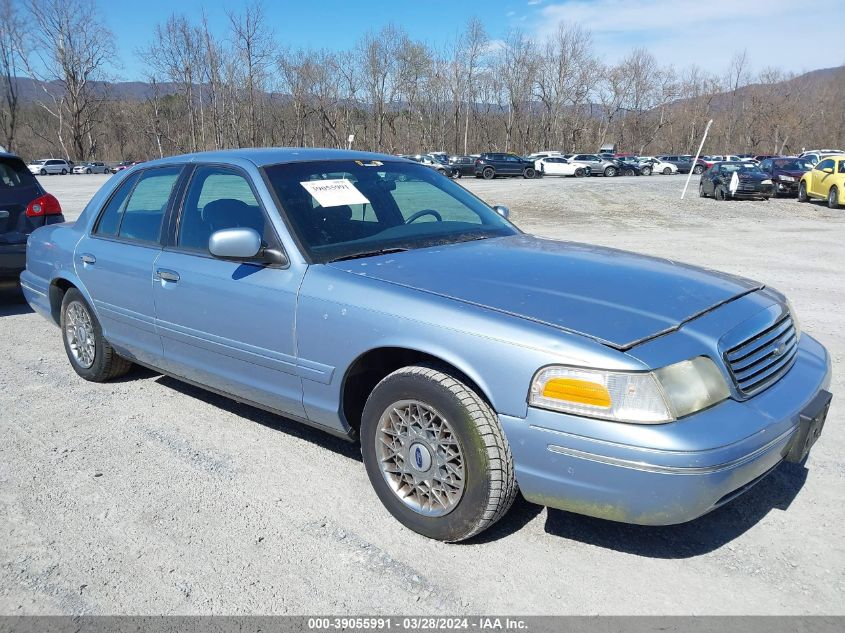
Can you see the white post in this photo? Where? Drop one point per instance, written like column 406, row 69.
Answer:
column 695, row 160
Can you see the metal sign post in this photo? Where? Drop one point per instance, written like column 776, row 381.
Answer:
column 695, row 160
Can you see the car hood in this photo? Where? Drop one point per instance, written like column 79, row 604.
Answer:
column 615, row 297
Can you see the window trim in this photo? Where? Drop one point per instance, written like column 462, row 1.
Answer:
column 164, row 220
column 172, row 237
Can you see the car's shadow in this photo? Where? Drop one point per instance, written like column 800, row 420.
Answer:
column 12, row 302
column 264, row 418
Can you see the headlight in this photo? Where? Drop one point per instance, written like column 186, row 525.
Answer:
column 653, row 397
column 766, row 182
column 787, row 178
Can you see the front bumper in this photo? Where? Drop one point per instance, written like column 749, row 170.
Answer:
column 686, row 476
column 12, row 260
column 790, row 188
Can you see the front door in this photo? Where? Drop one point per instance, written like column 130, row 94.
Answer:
column 228, row 325
column 115, row 262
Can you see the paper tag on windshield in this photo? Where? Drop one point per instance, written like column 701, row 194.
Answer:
column 334, row 193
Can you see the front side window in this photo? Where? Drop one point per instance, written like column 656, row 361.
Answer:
column 143, row 212
column 218, row 198
column 341, row 209
column 825, row 164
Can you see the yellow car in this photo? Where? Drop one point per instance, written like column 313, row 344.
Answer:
column 825, row 181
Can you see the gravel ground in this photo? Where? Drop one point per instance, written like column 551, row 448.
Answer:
column 148, row 496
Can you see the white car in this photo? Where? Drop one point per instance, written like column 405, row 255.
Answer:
column 559, row 166
column 94, row 167
column 815, row 155
column 46, row 166
column 658, row 166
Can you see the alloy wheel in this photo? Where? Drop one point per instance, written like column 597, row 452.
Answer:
column 79, row 332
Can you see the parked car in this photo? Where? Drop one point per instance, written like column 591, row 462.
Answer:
column 631, row 167
column 91, row 168
column 597, row 381
column 735, row 179
column 761, row 157
column 124, row 164
column 463, row 165
column 598, row 166
column 494, row 164
column 428, row 161
column 785, row 172
column 826, row 181
column 657, row 166
column 24, row 207
column 815, row 155
column 45, row 166
column 682, row 161
column 706, row 162
column 538, row 156
column 559, row 166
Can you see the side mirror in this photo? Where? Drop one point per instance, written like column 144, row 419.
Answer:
column 503, row 211
column 828, row 170
column 243, row 245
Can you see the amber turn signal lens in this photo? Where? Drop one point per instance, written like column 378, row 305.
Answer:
column 580, row 391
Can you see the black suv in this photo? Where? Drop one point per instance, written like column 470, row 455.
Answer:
column 490, row 165
column 24, row 207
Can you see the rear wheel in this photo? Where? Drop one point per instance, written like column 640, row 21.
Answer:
column 610, row 171
column 802, row 192
column 698, row 169
column 646, row 171
column 488, row 173
column 64, row 171
column 529, row 173
column 436, row 454
column 833, row 198
column 89, row 353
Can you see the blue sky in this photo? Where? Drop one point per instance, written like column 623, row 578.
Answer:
column 777, row 33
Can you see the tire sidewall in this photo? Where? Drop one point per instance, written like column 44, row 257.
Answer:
column 529, row 173
column 97, row 368
column 802, row 192
column 488, row 173
column 466, row 515
column 610, row 172
column 833, row 198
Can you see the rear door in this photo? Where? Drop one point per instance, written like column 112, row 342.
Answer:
column 115, row 261
column 226, row 324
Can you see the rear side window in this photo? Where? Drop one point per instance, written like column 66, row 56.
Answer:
column 14, row 174
column 147, row 203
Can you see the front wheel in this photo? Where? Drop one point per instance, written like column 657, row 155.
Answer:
column 802, row 192
column 436, row 454
column 698, row 169
column 610, row 171
column 43, row 172
column 529, row 173
column 667, row 171
column 89, row 353
column 833, row 198
column 701, row 193
column 646, row 171
column 88, row 171
column 488, row 173
column 719, row 194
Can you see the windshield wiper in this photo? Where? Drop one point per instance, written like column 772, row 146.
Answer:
column 373, row 253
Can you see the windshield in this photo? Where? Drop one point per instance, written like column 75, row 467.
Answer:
column 348, row 208
column 728, row 168
column 793, row 164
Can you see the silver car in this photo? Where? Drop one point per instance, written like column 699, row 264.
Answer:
column 91, row 168
column 45, row 166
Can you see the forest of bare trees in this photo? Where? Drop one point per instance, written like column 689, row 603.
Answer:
column 244, row 87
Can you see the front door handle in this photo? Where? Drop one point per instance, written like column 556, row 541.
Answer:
column 88, row 258
column 167, row 275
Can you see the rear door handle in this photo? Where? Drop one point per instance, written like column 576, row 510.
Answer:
column 87, row 258
column 167, row 275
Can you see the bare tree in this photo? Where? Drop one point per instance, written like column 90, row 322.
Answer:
column 11, row 43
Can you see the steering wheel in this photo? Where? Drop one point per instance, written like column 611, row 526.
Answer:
column 420, row 214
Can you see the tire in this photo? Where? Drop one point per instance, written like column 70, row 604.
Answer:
column 488, row 173
column 701, row 193
column 698, row 169
column 719, row 194
column 88, row 171
column 646, row 171
column 627, row 172
column 105, row 364
column 529, row 173
column 43, row 172
column 610, row 171
column 580, row 172
column 833, row 198
column 458, row 174
column 482, row 453
column 802, row 192
column 64, row 171
column 667, row 171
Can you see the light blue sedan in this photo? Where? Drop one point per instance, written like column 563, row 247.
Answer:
column 375, row 299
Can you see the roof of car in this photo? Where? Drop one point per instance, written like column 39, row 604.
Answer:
column 262, row 156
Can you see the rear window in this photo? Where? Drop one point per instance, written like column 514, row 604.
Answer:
column 14, row 174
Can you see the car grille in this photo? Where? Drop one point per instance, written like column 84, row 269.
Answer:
column 761, row 360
